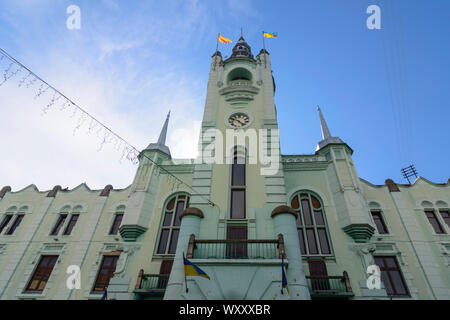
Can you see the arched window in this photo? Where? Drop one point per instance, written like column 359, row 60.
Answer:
column 118, row 216
column 62, row 219
column 9, row 216
column 311, row 224
column 238, row 203
column 239, row 74
column 170, row 228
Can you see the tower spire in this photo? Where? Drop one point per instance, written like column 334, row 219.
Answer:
column 163, row 134
column 323, row 124
column 161, row 144
column 326, row 135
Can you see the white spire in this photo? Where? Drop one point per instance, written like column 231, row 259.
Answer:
column 325, row 131
column 161, row 144
column 326, row 135
column 163, row 134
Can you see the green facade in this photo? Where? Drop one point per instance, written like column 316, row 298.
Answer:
column 328, row 179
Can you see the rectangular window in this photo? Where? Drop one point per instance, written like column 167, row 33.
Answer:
column 71, row 225
column 323, row 240
column 391, row 276
column 238, row 174
column 105, row 273
column 15, row 225
column 59, row 224
column 306, row 212
column 41, row 275
column 173, row 241
column 302, row 241
column 434, row 222
column 444, row 213
column 6, row 219
column 312, row 244
column 237, row 204
column 163, row 241
column 116, row 224
column 237, row 249
column 379, row 222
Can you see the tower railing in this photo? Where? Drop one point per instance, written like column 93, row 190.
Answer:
column 236, row 249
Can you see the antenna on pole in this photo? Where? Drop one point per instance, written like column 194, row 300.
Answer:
column 409, row 172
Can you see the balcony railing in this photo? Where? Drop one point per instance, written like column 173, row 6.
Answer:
column 236, row 249
column 151, row 282
column 329, row 285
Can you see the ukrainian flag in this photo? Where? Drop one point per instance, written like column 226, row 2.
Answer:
column 105, row 295
column 284, row 282
column 191, row 269
column 270, row 35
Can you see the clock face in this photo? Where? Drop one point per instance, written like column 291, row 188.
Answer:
column 238, row 120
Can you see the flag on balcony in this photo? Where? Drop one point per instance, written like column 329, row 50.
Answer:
column 191, row 269
column 284, row 282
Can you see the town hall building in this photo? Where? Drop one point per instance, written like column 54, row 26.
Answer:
column 235, row 218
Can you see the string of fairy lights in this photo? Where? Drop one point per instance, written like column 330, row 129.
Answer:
column 12, row 69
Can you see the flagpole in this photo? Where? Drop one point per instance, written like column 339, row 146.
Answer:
column 264, row 48
column 215, row 53
column 185, row 279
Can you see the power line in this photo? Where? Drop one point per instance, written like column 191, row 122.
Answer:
column 131, row 152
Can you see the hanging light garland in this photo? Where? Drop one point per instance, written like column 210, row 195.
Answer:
column 105, row 134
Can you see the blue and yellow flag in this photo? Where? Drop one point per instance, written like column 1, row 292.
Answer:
column 105, row 295
column 270, row 35
column 284, row 282
column 191, row 269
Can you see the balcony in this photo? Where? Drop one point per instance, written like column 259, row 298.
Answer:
column 236, row 249
column 330, row 287
column 151, row 285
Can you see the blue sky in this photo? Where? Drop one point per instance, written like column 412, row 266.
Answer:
column 384, row 92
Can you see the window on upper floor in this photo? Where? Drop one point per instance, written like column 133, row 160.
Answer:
column 311, row 224
column 59, row 223
column 16, row 223
column 445, row 214
column 66, row 220
column 105, row 273
column 392, row 276
column 170, row 228
column 238, row 178
column 5, row 221
column 71, row 225
column 41, row 274
column 118, row 216
column 379, row 221
column 434, row 221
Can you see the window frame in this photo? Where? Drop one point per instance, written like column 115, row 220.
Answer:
column 27, row 289
column 391, row 282
column 59, row 224
column 238, row 188
column 7, row 218
column 18, row 220
column 66, row 231
column 436, row 218
column 171, row 228
column 381, row 219
column 301, row 225
column 113, row 225
column 111, row 273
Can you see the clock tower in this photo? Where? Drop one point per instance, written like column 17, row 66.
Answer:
column 240, row 187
